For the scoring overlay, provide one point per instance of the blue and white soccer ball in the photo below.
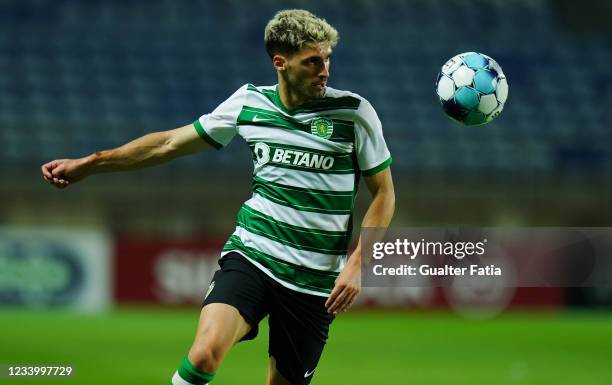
(472, 88)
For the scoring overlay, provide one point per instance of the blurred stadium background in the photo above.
(107, 274)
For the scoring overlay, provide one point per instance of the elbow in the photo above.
(386, 197)
(385, 207)
(388, 193)
(168, 148)
(391, 201)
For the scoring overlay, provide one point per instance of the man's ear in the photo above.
(279, 62)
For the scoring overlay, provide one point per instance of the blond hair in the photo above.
(291, 30)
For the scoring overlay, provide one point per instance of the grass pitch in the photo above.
(144, 346)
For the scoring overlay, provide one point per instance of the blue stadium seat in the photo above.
(114, 70)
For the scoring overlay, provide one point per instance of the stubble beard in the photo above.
(305, 89)
(311, 93)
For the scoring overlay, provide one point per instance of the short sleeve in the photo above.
(219, 127)
(370, 147)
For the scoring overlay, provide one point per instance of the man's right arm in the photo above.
(146, 151)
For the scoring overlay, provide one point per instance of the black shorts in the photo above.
(299, 323)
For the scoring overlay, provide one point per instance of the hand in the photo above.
(61, 172)
(348, 286)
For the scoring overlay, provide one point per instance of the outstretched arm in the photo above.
(379, 214)
(146, 151)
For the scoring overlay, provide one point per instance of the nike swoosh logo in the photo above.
(308, 374)
(256, 119)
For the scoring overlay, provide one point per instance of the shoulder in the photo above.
(249, 87)
(347, 96)
(249, 90)
(351, 99)
(363, 113)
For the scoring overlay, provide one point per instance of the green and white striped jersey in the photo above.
(297, 225)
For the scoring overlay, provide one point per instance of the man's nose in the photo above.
(324, 73)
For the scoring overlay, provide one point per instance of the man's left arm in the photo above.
(379, 214)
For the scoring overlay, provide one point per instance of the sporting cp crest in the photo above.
(321, 127)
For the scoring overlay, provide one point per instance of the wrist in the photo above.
(92, 162)
(354, 258)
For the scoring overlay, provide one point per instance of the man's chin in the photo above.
(313, 93)
(318, 92)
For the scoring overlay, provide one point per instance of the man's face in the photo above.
(306, 72)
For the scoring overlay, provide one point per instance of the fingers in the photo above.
(60, 183)
(334, 301)
(341, 299)
(59, 169)
(332, 296)
(47, 168)
(350, 299)
(57, 182)
(53, 173)
(45, 172)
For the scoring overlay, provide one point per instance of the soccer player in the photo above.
(287, 257)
